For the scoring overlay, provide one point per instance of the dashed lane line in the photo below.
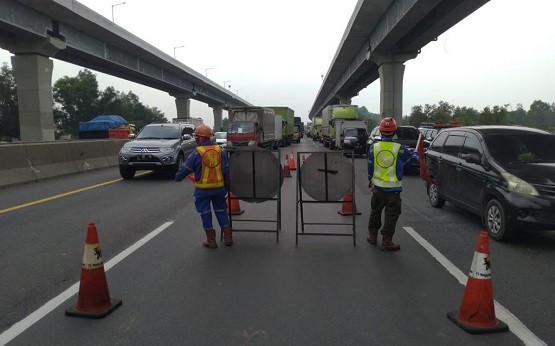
(65, 194)
(515, 325)
(44, 310)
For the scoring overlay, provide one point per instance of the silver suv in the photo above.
(158, 147)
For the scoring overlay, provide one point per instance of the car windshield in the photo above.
(358, 133)
(220, 135)
(521, 147)
(159, 132)
(406, 133)
(241, 127)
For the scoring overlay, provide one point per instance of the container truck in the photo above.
(251, 126)
(334, 119)
(299, 128)
(288, 116)
(317, 129)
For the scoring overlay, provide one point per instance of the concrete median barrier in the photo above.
(15, 168)
(26, 162)
(111, 150)
(50, 159)
(88, 155)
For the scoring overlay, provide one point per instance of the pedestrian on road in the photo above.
(386, 160)
(209, 165)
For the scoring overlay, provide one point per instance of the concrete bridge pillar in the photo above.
(32, 69)
(218, 110)
(183, 105)
(345, 101)
(391, 69)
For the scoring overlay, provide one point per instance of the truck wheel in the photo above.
(126, 172)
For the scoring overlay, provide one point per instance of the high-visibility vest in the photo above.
(211, 176)
(385, 165)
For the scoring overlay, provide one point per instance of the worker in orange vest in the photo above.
(209, 164)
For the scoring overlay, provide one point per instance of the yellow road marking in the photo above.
(64, 194)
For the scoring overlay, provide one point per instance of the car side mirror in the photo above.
(473, 158)
(342, 135)
(186, 137)
(131, 136)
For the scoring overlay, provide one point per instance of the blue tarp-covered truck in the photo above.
(105, 126)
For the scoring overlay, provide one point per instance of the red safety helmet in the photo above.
(203, 131)
(388, 126)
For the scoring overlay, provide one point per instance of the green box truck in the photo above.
(288, 118)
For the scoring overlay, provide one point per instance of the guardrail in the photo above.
(27, 162)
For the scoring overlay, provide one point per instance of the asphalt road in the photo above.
(322, 291)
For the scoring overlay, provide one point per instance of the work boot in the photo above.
(387, 243)
(372, 236)
(228, 237)
(210, 239)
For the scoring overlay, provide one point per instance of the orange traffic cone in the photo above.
(235, 207)
(292, 162)
(286, 170)
(348, 205)
(477, 313)
(94, 299)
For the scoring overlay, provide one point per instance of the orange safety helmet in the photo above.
(388, 126)
(203, 131)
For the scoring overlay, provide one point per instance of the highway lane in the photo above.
(328, 277)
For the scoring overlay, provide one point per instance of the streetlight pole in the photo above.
(121, 3)
(206, 71)
(174, 48)
(226, 81)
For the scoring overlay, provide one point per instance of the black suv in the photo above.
(505, 174)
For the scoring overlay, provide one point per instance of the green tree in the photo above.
(417, 116)
(541, 114)
(75, 101)
(9, 114)
(442, 113)
(494, 116)
(465, 116)
(225, 124)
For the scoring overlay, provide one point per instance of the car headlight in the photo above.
(347, 141)
(166, 150)
(125, 149)
(252, 143)
(515, 184)
(230, 143)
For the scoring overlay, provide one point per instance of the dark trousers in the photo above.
(391, 202)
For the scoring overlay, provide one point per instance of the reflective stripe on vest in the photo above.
(211, 176)
(385, 164)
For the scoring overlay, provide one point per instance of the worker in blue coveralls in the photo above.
(209, 164)
(386, 161)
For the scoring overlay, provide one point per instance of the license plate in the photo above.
(144, 157)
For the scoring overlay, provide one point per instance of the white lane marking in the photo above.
(515, 325)
(44, 310)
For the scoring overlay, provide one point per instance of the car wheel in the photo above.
(495, 220)
(126, 172)
(433, 196)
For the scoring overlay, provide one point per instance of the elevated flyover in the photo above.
(380, 37)
(35, 30)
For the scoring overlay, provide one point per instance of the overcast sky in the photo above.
(273, 53)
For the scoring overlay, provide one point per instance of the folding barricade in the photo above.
(255, 176)
(328, 164)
